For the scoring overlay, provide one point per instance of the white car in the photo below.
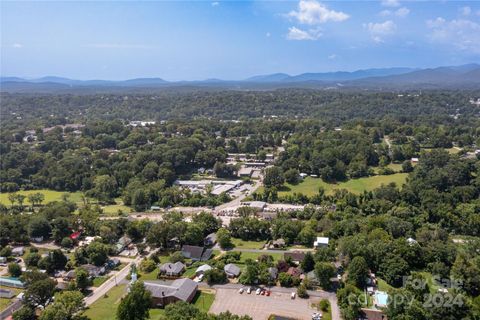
(294, 294)
(317, 316)
(249, 290)
(258, 291)
(240, 291)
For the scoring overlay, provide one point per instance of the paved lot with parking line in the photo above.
(261, 307)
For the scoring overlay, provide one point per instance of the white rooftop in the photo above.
(321, 241)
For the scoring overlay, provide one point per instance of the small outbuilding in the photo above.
(321, 242)
(202, 269)
(18, 251)
(232, 270)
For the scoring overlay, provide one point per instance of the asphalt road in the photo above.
(113, 281)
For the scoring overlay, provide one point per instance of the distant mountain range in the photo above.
(464, 76)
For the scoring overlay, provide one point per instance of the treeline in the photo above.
(332, 106)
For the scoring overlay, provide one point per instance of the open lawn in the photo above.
(76, 197)
(311, 185)
(50, 196)
(432, 285)
(326, 315)
(114, 208)
(149, 276)
(98, 281)
(190, 271)
(255, 255)
(241, 244)
(106, 307)
(203, 301)
(383, 285)
(397, 167)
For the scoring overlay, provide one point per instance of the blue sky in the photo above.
(179, 40)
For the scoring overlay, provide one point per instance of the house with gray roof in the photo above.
(273, 272)
(196, 253)
(211, 239)
(179, 290)
(232, 270)
(172, 269)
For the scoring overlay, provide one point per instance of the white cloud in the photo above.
(402, 12)
(462, 34)
(385, 13)
(295, 33)
(390, 3)
(312, 12)
(332, 56)
(17, 45)
(215, 3)
(380, 29)
(466, 11)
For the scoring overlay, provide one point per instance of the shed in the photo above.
(232, 270)
(202, 269)
(321, 242)
(18, 251)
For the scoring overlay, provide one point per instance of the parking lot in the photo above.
(261, 307)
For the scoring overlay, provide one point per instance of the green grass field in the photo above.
(383, 285)
(98, 281)
(397, 167)
(50, 196)
(105, 308)
(255, 255)
(241, 244)
(326, 315)
(114, 208)
(431, 284)
(203, 301)
(311, 185)
(149, 276)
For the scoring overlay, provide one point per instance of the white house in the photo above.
(321, 242)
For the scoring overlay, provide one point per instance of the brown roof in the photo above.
(295, 255)
(295, 272)
(372, 314)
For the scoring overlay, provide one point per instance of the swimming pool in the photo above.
(381, 299)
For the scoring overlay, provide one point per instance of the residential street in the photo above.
(114, 280)
(109, 284)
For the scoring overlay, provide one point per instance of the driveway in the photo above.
(261, 307)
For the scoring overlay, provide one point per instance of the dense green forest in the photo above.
(427, 227)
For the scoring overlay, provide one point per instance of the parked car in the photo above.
(262, 293)
(317, 316)
(294, 294)
(249, 290)
(240, 291)
(268, 293)
(258, 291)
